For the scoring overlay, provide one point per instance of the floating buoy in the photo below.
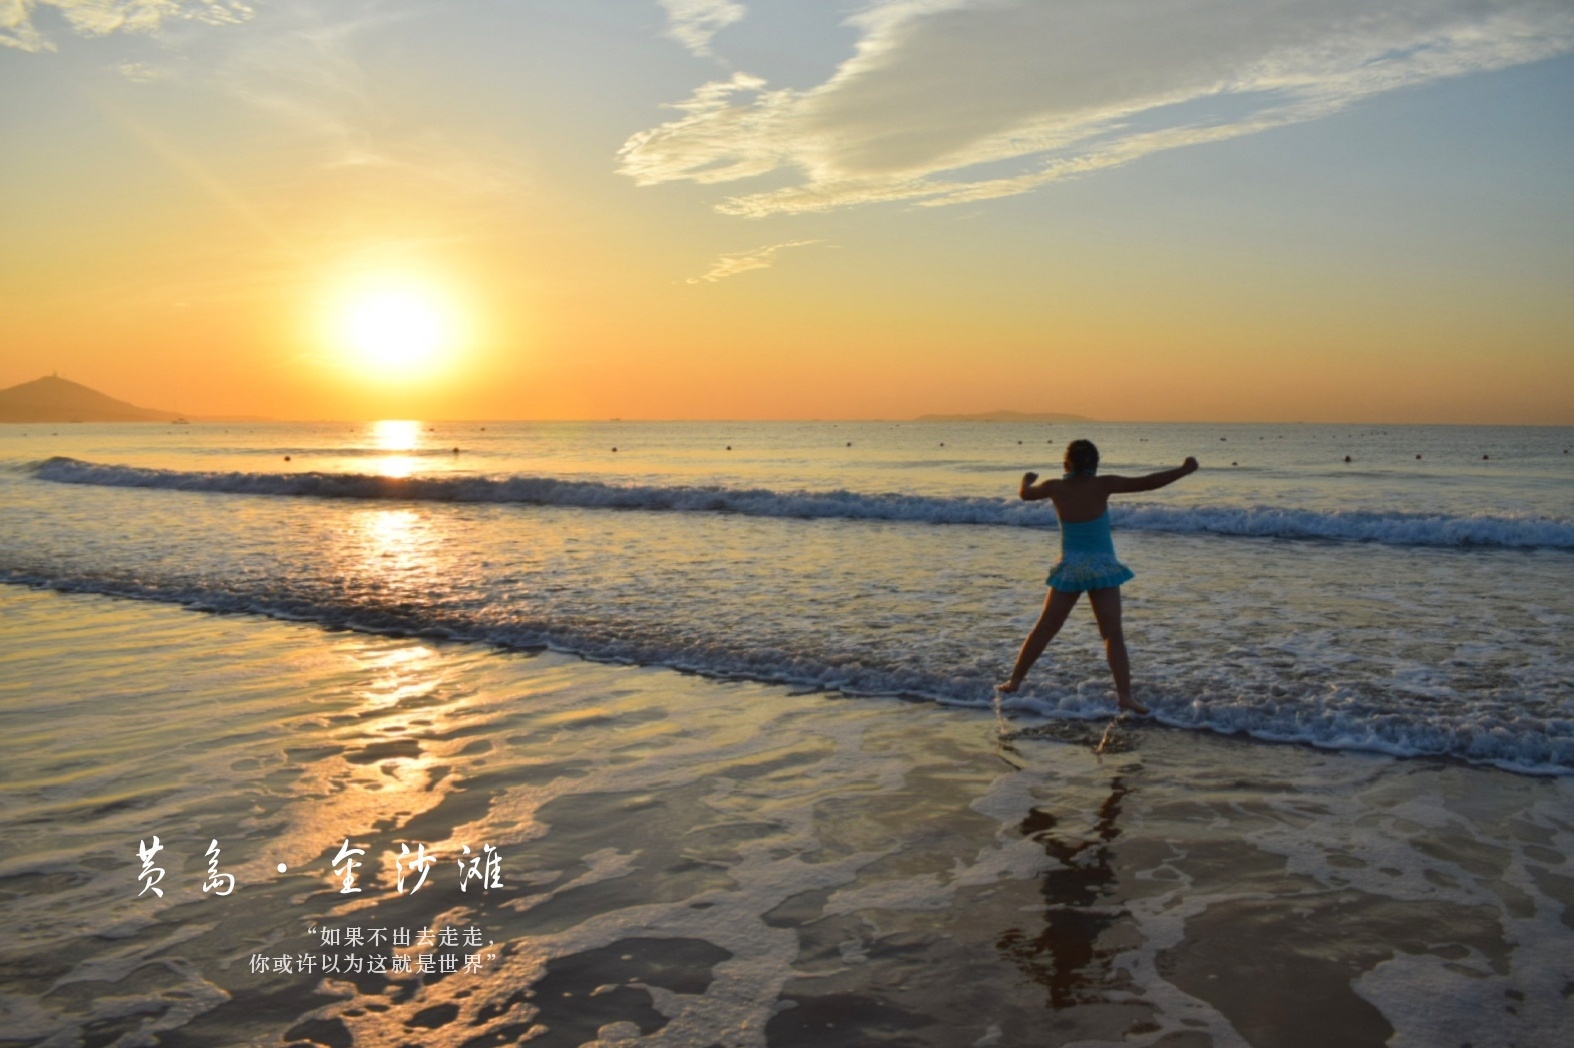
(1235, 463)
(729, 447)
(1347, 458)
(286, 458)
(456, 451)
(1418, 458)
(849, 443)
(614, 449)
(1485, 457)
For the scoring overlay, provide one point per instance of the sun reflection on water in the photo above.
(395, 436)
(378, 761)
(396, 553)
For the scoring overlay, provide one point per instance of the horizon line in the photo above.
(195, 419)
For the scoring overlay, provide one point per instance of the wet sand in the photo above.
(684, 861)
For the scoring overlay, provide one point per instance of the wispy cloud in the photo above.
(103, 17)
(735, 262)
(307, 73)
(694, 23)
(142, 73)
(946, 101)
(303, 71)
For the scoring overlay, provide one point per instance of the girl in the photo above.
(1087, 559)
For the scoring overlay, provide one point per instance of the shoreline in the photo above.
(1032, 722)
(692, 861)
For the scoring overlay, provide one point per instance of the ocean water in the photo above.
(718, 703)
(1413, 600)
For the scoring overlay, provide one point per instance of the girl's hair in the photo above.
(1082, 457)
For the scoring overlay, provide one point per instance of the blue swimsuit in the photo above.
(1087, 558)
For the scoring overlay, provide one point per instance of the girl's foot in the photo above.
(1127, 703)
(1009, 686)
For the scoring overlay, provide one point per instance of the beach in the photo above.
(670, 772)
(688, 862)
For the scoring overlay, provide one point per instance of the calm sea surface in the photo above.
(1414, 599)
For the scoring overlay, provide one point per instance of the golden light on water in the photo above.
(390, 534)
(396, 434)
(396, 552)
(397, 437)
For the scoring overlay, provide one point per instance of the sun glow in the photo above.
(393, 329)
(390, 329)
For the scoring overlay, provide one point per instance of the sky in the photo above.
(1166, 210)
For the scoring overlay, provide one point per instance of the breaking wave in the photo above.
(1388, 528)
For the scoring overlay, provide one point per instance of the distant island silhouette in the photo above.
(55, 399)
(1007, 416)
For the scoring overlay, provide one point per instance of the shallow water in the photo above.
(685, 861)
(1392, 604)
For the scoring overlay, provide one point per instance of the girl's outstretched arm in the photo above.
(1031, 492)
(1122, 485)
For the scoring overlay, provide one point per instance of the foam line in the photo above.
(1315, 717)
(1388, 528)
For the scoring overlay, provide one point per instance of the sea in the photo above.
(690, 730)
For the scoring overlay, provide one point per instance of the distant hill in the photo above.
(54, 399)
(1007, 416)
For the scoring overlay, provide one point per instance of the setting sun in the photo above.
(393, 330)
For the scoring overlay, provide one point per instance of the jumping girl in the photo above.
(1087, 559)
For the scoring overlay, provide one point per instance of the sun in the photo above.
(393, 330)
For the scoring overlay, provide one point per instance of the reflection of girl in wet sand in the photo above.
(1087, 559)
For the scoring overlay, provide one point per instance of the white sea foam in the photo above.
(1518, 531)
(1354, 716)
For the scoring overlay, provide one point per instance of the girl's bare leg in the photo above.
(1106, 609)
(1056, 607)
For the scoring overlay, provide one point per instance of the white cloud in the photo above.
(142, 73)
(941, 95)
(103, 17)
(735, 262)
(694, 23)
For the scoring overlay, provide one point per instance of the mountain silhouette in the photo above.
(54, 399)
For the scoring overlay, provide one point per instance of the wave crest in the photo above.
(1388, 528)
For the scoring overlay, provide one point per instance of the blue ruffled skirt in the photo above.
(1087, 558)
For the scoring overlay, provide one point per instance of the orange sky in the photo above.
(606, 210)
